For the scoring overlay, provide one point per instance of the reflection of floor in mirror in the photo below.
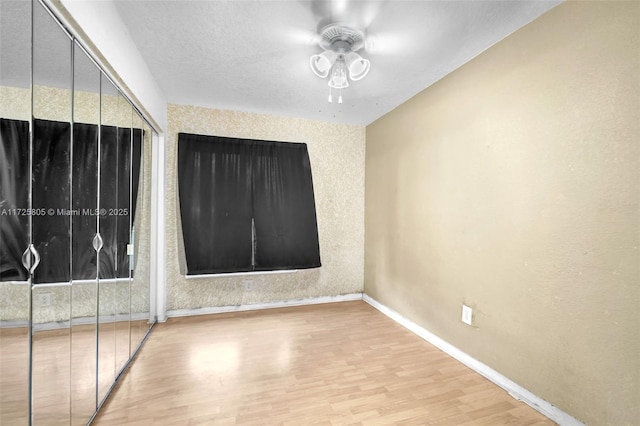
(337, 363)
(14, 375)
(64, 370)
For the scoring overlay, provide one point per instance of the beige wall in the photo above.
(512, 186)
(336, 152)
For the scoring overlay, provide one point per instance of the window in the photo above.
(246, 205)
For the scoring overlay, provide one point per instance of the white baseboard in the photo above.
(268, 305)
(56, 325)
(514, 389)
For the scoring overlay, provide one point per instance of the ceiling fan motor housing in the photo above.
(341, 38)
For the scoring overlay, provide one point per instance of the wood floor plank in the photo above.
(332, 364)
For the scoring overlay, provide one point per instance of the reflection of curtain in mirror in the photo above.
(136, 164)
(52, 190)
(85, 199)
(115, 191)
(14, 191)
(50, 196)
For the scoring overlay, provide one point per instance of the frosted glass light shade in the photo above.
(321, 64)
(357, 65)
(338, 79)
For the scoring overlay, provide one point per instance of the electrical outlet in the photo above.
(44, 299)
(248, 285)
(467, 314)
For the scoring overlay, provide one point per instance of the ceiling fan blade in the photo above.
(356, 14)
(299, 36)
(369, 11)
(353, 14)
(388, 43)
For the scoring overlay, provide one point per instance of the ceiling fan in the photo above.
(339, 60)
(343, 37)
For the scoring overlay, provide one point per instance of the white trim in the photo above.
(45, 285)
(267, 305)
(70, 283)
(158, 237)
(239, 274)
(14, 282)
(14, 323)
(56, 325)
(514, 389)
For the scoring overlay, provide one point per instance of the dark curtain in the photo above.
(246, 205)
(128, 178)
(138, 141)
(14, 192)
(108, 201)
(116, 192)
(85, 200)
(136, 164)
(286, 231)
(51, 193)
(53, 186)
(215, 204)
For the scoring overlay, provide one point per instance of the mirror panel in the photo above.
(140, 233)
(51, 220)
(15, 291)
(108, 231)
(84, 290)
(123, 225)
(15, 60)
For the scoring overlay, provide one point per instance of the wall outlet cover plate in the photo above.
(467, 314)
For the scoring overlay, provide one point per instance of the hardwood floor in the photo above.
(339, 363)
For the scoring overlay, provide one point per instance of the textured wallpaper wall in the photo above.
(337, 161)
(15, 103)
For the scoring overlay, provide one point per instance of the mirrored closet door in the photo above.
(49, 256)
(15, 236)
(75, 193)
(84, 228)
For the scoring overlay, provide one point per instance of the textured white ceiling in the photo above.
(254, 55)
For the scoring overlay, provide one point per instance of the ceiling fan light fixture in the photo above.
(358, 66)
(338, 79)
(322, 63)
(339, 60)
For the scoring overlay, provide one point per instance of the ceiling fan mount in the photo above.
(341, 38)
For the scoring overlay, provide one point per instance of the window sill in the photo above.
(241, 274)
(69, 283)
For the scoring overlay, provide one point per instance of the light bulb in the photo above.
(338, 78)
(340, 99)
